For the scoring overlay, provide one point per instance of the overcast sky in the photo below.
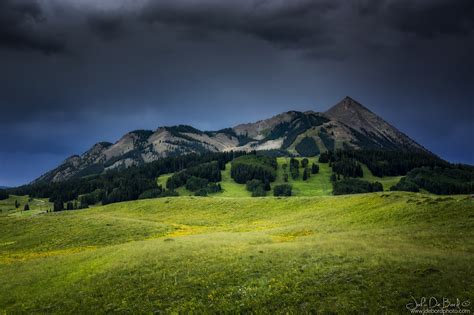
(76, 72)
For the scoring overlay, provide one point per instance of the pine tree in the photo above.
(58, 205)
(266, 185)
(305, 174)
(304, 163)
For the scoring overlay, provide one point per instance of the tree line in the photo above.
(395, 163)
(423, 171)
(457, 179)
(119, 185)
(211, 171)
(3, 194)
(201, 179)
(248, 167)
(355, 186)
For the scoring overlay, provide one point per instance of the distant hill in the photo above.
(346, 125)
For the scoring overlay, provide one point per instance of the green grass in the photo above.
(181, 190)
(37, 205)
(317, 185)
(365, 253)
(229, 187)
(386, 181)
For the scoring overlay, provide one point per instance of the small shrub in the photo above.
(258, 188)
(253, 184)
(169, 193)
(259, 192)
(405, 184)
(213, 188)
(282, 190)
(151, 193)
(201, 192)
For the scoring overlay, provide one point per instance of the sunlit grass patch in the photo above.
(291, 235)
(364, 253)
(29, 255)
(386, 181)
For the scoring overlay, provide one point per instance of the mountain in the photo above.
(369, 125)
(346, 125)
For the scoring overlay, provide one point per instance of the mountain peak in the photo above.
(352, 113)
(347, 105)
(358, 117)
(348, 98)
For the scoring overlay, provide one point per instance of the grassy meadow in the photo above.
(317, 185)
(368, 253)
(37, 205)
(387, 181)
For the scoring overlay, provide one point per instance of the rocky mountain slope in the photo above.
(347, 125)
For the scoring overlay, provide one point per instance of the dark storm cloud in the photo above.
(428, 19)
(107, 26)
(315, 24)
(21, 23)
(111, 66)
(286, 24)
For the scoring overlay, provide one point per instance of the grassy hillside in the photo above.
(229, 187)
(181, 190)
(387, 181)
(37, 205)
(316, 185)
(364, 253)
